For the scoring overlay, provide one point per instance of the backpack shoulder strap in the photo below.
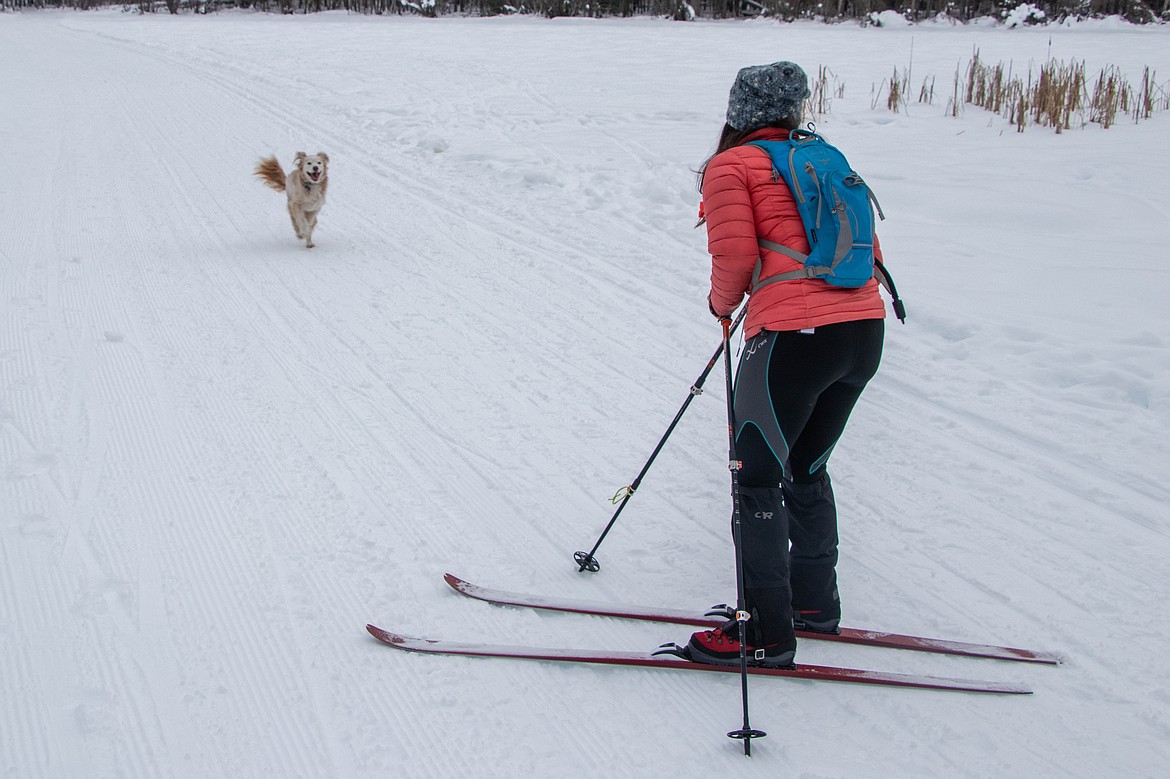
(774, 149)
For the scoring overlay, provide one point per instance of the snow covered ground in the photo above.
(222, 454)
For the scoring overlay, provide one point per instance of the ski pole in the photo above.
(586, 560)
(745, 733)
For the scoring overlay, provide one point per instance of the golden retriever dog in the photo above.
(305, 186)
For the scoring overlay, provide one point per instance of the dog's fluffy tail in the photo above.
(269, 171)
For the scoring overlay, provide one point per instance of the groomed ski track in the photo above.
(221, 454)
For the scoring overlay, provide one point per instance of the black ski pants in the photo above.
(793, 396)
(794, 393)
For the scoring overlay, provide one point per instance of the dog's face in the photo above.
(312, 166)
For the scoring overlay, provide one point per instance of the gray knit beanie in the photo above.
(766, 94)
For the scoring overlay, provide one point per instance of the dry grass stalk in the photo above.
(1111, 96)
(1059, 95)
(988, 86)
(823, 94)
(899, 87)
(1151, 97)
(954, 103)
(819, 100)
(926, 94)
(1145, 97)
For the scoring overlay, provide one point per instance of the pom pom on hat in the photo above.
(766, 94)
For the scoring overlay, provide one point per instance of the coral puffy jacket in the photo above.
(742, 204)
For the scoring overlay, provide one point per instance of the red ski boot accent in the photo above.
(816, 621)
(720, 647)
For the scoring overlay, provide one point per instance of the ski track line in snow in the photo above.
(122, 692)
(175, 512)
(1009, 603)
(36, 471)
(1100, 485)
(1067, 566)
(197, 516)
(294, 331)
(336, 472)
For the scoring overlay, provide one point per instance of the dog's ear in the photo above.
(324, 157)
(299, 159)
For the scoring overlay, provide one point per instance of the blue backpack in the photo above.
(837, 208)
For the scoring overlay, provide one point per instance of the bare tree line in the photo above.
(1140, 11)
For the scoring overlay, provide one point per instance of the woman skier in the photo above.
(810, 349)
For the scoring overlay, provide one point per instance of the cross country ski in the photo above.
(642, 660)
(875, 638)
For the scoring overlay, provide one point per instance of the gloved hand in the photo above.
(715, 313)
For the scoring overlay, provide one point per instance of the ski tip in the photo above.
(1052, 658)
(384, 636)
(1007, 688)
(455, 582)
(1028, 656)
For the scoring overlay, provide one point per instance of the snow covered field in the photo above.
(222, 454)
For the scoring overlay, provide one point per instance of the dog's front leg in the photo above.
(310, 225)
(294, 214)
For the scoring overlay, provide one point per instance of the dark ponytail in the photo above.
(731, 137)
